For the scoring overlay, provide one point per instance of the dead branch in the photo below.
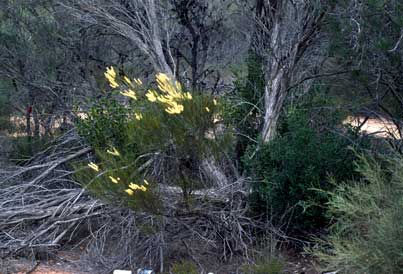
(43, 207)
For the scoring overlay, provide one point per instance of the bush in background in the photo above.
(104, 123)
(184, 267)
(367, 236)
(293, 170)
(243, 110)
(265, 266)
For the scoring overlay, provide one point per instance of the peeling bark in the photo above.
(274, 96)
(290, 29)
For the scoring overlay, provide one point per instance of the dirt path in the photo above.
(64, 262)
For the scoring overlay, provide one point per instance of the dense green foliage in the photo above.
(103, 124)
(265, 266)
(296, 164)
(244, 108)
(368, 46)
(366, 238)
(184, 267)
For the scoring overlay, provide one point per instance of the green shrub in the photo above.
(265, 266)
(184, 267)
(295, 165)
(104, 122)
(243, 107)
(367, 237)
(158, 136)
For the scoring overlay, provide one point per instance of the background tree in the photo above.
(36, 61)
(368, 42)
(288, 31)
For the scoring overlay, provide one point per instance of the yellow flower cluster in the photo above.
(116, 180)
(113, 152)
(138, 116)
(172, 94)
(127, 80)
(133, 187)
(93, 166)
(171, 91)
(110, 74)
(129, 93)
(152, 95)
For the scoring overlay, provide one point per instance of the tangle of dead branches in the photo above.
(44, 208)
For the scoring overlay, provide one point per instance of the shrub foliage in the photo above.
(367, 237)
(160, 135)
(293, 170)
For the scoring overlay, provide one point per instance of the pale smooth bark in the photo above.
(290, 28)
(143, 22)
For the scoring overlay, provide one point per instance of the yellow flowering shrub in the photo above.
(165, 135)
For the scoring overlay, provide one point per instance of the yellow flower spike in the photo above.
(146, 182)
(127, 80)
(188, 96)
(138, 116)
(134, 186)
(170, 111)
(110, 72)
(207, 109)
(129, 191)
(172, 94)
(114, 180)
(151, 96)
(168, 86)
(93, 166)
(113, 152)
(214, 101)
(110, 75)
(178, 85)
(174, 109)
(129, 93)
(138, 81)
(162, 77)
(143, 188)
(113, 84)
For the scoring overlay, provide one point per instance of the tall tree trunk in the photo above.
(276, 89)
(289, 29)
(274, 95)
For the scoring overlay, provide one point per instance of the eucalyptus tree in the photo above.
(186, 39)
(202, 37)
(286, 34)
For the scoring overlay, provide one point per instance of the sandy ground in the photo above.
(43, 268)
(63, 263)
(382, 128)
(296, 265)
